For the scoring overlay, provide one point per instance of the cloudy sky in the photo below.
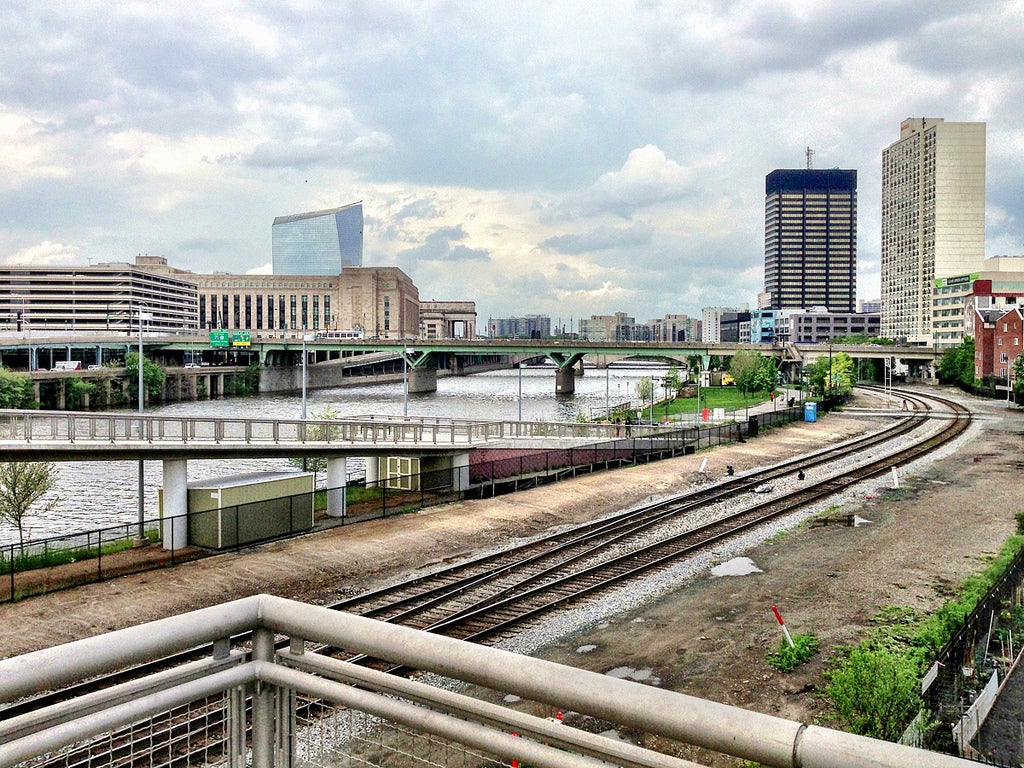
(560, 157)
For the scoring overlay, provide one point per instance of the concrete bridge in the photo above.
(421, 357)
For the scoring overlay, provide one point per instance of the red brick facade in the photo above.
(1007, 337)
(983, 329)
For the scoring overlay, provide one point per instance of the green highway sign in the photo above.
(240, 339)
(219, 339)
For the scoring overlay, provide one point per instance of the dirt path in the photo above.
(707, 639)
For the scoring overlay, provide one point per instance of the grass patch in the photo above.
(787, 657)
(31, 561)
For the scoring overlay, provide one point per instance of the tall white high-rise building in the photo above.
(933, 218)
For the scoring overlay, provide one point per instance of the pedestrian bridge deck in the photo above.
(60, 436)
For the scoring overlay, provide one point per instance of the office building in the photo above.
(674, 328)
(810, 239)
(318, 243)
(617, 327)
(933, 219)
(734, 325)
(379, 302)
(99, 297)
(528, 327)
(818, 325)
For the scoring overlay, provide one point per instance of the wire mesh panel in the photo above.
(193, 734)
(326, 736)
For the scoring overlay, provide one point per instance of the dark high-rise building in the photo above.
(810, 239)
(318, 243)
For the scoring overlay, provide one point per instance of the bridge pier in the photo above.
(565, 380)
(422, 380)
(175, 504)
(337, 477)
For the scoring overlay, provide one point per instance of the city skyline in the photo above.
(504, 155)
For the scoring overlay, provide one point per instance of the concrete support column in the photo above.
(62, 391)
(565, 381)
(85, 401)
(422, 380)
(337, 479)
(460, 472)
(372, 471)
(174, 522)
(36, 394)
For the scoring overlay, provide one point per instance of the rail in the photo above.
(17, 426)
(271, 733)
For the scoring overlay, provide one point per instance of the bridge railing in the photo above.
(37, 426)
(288, 704)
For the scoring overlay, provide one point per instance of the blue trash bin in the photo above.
(810, 411)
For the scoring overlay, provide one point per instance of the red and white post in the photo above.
(778, 618)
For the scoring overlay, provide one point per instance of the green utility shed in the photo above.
(238, 510)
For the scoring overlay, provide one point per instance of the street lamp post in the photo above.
(520, 366)
(303, 373)
(141, 538)
(405, 381)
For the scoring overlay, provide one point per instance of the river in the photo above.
(92, 494)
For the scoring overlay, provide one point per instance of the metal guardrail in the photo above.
(36, 426)
(271, 732)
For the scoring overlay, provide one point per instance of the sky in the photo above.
(562, 158)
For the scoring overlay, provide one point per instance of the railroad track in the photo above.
(488, 598)
(491, 598)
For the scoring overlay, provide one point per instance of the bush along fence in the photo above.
(46, 565)
(962, 685)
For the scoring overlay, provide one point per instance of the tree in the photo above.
(671, 382)
(835, 381)
(22, 485)
(318, 428)
(644, 390)
(152, 377)
(744, 368)
(16, 390)
(767, 377)
(1018, 374)
(956, 366)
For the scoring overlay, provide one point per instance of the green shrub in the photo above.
(788, 658)
(875, 692)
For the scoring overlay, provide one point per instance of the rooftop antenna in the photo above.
(810, 158)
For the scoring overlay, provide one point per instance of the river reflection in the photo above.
(92, 494)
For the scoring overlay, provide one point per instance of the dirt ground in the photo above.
(707, 639)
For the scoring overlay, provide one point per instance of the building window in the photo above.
(305, 311)
(294, 313)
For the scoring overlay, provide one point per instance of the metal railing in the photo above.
(113, 428)
(294, 706)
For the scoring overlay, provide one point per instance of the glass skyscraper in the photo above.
(318, 243)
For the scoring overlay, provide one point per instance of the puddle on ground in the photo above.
(738, 566)
(586, 648)
(638, 675)
(859, 521)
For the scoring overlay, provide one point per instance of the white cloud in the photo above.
(45, 254)
(566, 158)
